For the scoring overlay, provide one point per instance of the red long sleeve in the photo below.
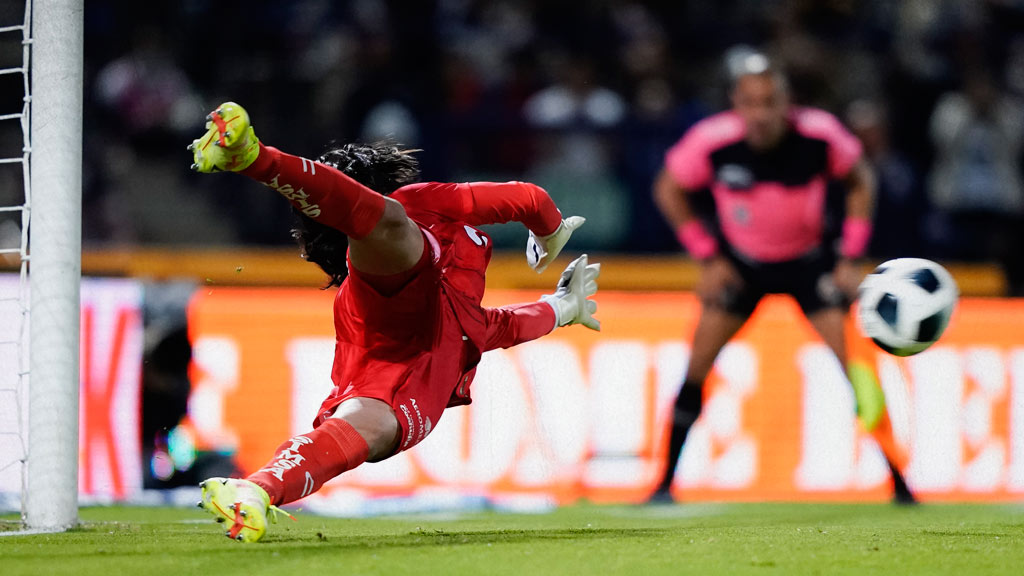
(479, 203)
(511, 325)
(323, 193)
(491, 202)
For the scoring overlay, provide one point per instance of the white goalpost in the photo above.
(55, 267)
(47, 363)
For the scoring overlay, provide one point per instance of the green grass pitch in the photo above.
(586, 539)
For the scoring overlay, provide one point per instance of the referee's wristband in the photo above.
(856, 235)
(697, 240)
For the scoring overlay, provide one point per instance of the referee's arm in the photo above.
(860, 208)
(672, 201)
(860, 195)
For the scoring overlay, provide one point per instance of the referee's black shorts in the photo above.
(808, 279)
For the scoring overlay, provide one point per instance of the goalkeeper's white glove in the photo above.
(570, 300)
(542, 250)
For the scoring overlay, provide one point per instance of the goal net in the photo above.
(40, 254)
(14, 216)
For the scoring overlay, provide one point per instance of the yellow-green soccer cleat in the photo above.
(229, 144)
(241, 505)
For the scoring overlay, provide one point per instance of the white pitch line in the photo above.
(33, 532)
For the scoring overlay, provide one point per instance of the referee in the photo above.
(768, 166)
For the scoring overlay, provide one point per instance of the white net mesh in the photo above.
(15, 196)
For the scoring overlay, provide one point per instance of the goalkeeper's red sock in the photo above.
(303, 464)
(323, 193)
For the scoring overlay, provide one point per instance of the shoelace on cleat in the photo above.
(274, 511)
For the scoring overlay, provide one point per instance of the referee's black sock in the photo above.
(687, 409)
(901, 492)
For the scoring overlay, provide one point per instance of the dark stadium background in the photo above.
(474, 84)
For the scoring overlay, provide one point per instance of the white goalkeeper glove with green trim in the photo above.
(571, 298)
(542, 250)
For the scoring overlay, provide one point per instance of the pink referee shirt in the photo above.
(770, 204)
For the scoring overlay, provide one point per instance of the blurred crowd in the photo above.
(582, 98)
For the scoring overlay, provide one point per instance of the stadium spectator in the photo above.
(574, 120)
(575, 100)
(900, 198)
(976, 180)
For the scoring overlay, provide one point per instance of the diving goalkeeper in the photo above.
(409, 264)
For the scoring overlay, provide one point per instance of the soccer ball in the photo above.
(905, 305)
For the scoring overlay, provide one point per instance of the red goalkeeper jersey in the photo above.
(417, 348)
(405, 324)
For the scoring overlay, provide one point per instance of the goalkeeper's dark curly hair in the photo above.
(383, 167)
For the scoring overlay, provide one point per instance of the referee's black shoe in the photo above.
(661, 497)
(901, 495)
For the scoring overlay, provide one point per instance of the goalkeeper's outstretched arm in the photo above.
(479, 203)
(570, 304)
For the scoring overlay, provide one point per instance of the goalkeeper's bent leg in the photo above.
(318, 191)
(382, 238)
